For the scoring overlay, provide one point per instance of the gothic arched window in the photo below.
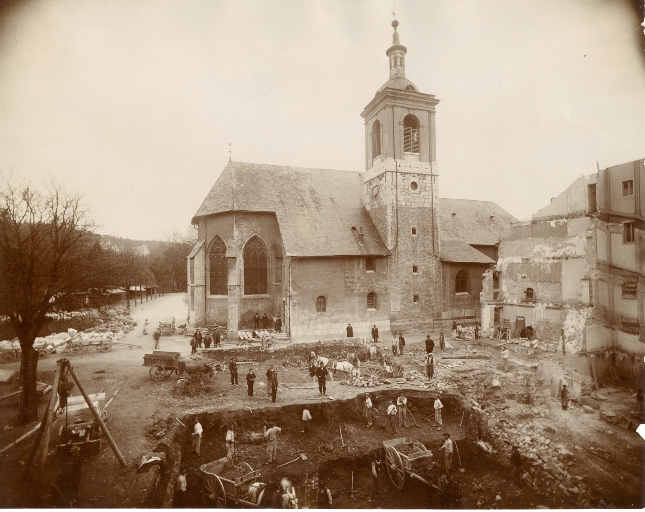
(411, 134)
(461, 282)
(376, 139)
(255, 267)
(218, 267)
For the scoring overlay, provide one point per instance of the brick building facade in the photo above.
(322, 248)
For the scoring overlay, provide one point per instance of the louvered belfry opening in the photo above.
(411, 134)
(255, 267)
(219, 268)
(376, 139)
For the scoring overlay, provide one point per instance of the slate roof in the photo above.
(398, 82)
(315, 208)
(457, 251)
(472, 222)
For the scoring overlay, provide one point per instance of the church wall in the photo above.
(469, 300)
(345, 283)
(236, 310)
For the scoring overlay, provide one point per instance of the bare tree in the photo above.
(48, 256)
(170, 265)
(130, 269)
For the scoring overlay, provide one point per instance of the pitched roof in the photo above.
(454, 250)
(473, 222)
(316, 208)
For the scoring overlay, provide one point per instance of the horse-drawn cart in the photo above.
(403, 458)
(162, 364)
(218, 490)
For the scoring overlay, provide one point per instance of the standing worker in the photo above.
(217, 339)
(193, 344)
(402, 406)
(197, 437)
(256, 321)
(323, 496)
(447, 445)
(367, 412)
(429, 344)
(232, 367)
(230, 444)
(564, 397)
(375, 333)
(454, 329)
(155, 336)
(250, 380)
(437, 411)
(429, 363)
(274, 385)
(442, 341)
(391, 416)
(208, 340)
(198, 335)
(278, 324)
(271, 438)
(322, 373)
(395, 343)
(477, 331)
(180, 489)
(306, 418)
(350, 331)
(505, 355)
(145, 326)
(401, 343)
(269, 375)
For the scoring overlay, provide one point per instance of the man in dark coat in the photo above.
(429, 344)
(265, 321)
(193, 344)
(198, 336)
(375, 334)
(322, 373)
(250, 380)
(218, 338)
(256, 321)
(350, 331)
(278, 324)
(207, 341)
(274, 385)
(232, 366)
(564, 397)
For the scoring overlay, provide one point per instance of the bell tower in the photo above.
(400, 188)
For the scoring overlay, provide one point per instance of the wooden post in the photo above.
(49, 418)
(97, 417)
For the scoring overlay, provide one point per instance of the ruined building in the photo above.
(322, 248)
(578, 267)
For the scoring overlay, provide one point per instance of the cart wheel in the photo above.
(395, 468)
(260, 496)
(371, 373)
(104, 415)
(157, 373)
(77, 348)
(168, 373)
(213, 492)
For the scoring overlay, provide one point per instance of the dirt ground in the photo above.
(605, 464)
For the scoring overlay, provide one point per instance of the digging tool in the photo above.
(459, 456)
(341, 436)
(180, 422)
(302, 457)
(414, 419)
(462, 417)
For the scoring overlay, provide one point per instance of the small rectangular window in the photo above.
(628, 188)
(370, 265)
(415, 269)
(414, 231)
(628, 232)
(415, 299)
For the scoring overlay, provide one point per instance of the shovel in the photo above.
(460, 468)
(302, 457)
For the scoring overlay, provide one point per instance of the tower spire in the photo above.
(396, 53)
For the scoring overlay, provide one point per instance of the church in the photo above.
(324, 248)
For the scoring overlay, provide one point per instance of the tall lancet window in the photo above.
(376, 139)
(255, 267)
(218, 268)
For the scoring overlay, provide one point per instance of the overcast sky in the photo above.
(134, 102)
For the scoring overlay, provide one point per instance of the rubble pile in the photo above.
(544, 346)
(546, 471)
(363, 382)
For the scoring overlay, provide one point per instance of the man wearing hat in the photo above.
(391, 416)
(350, 331)
(250, 380)
(564, 397)
(232, 366)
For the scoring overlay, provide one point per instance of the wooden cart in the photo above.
(80, 428)
(403, 458)
(162, 364)
(167, 326)
(220, 492)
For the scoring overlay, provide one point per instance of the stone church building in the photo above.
(323, 248)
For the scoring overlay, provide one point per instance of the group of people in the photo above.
(271, 375)
(198, 340)
(265, 322)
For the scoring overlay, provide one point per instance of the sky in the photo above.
(134, 102)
